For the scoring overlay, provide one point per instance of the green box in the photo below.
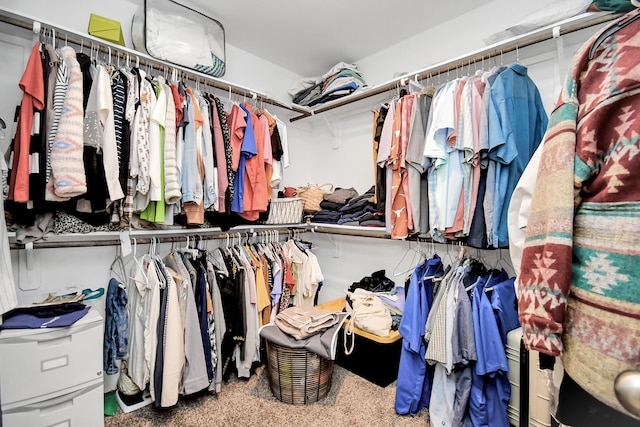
(106, 29)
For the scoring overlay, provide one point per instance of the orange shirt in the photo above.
(32, 86)
(255, 182)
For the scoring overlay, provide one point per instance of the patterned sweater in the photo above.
(579, 295)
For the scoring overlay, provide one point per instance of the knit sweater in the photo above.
(67, 166)
(578, 289)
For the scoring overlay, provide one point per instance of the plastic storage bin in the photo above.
(175, 33)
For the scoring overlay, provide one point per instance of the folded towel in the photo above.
(302, 321)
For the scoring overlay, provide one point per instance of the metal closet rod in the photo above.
(290, 231)
(498, 49)
(70, 36)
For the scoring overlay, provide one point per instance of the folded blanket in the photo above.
(303, 321)
(323, 344)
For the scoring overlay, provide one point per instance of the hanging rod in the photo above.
(110, 238)
(566, 26)
(67, 35)
(350, 230)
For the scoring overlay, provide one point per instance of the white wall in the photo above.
(448, 40)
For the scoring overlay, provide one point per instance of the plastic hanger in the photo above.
(417, 256)
(415, 86)
(118, 262)
(188, 250)
(502, 264)
(137, 260)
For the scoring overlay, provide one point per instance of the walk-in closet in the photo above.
(348, 213)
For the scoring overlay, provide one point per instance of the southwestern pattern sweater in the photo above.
(68, 174)
(579, 289)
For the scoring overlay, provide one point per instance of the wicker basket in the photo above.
(296, 375)
(285, 211)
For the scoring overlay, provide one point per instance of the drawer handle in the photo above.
(54, 402)
(65, 423)
(55, 341)
(56, 363)
(45, 412)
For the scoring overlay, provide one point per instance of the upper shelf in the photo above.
(548, 32)
(68, 35)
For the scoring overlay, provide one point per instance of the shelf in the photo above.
(349, 230)
(180, 234)
(548, 32)
(71, 36)
(177, 234)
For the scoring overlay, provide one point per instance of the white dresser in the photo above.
(53, 377)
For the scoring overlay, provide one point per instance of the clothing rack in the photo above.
(553, 31)
(66, 35)
(157, 236)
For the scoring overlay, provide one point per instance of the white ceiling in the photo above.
(309, 37)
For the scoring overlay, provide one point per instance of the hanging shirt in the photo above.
(237, 120)
(465, 144)
(437, 139)
(140, 139)
(191, 180)
(194, 375)
(210, 174)
(517, 123)
(174, 355)
(255, 197)
(490, 389)
(220, 144)
(268, 153)
(171, 182)
(384, 151)
(477, 88)
(248, 150)
(282, 129)
(155, 210)
(67, 166)
(399, 208)
(413, 389)
(32, 86)
(59, 91)
(144, 306)
(416, 179)
(100, 131)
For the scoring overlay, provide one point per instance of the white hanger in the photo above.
(417, 255)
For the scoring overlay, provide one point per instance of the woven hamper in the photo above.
(285, 211)
(296, 375)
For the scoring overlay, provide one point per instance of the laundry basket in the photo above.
(296, 375)
(285, 211)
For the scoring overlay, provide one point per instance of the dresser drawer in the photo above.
(83, 407)
(39, 362)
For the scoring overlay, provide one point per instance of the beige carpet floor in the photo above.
(352, 401)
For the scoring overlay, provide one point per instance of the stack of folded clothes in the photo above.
(332, 203)
(341, 80)
(363, 211)
(346, 207)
